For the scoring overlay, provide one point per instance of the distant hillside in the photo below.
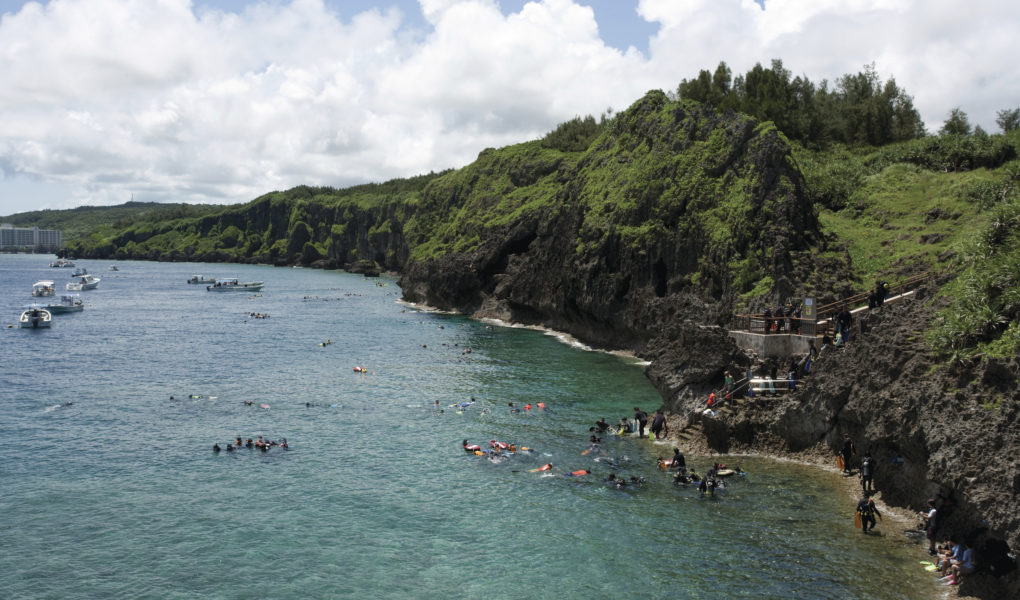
(78, 223)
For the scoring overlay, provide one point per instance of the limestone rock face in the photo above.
(669, 214)
(934, 429)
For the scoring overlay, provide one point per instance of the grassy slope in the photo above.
(899, 218)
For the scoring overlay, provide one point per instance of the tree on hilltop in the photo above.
(1008, 119)
(956, 124)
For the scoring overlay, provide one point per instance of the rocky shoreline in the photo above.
(885, 391)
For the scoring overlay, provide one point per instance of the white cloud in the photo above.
(111, 97)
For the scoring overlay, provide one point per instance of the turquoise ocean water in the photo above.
(119, 495)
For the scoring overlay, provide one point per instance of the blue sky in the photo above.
(219, 101)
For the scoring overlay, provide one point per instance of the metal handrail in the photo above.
(757, 322)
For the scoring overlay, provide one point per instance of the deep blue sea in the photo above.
(119, 494)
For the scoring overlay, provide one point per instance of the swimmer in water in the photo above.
(614, 481)
(215, 447)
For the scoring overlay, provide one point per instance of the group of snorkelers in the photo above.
(711, 481)
(495, 449)
(259, 444)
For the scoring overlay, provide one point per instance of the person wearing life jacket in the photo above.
(470, 448)
(541, 405)
(498, 445)
(867, 510)
(578, 473)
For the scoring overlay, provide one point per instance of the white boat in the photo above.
(35, 318)
(231, 284)
(200, 279)
(88, 282)
(80, 272)
(68, 303)
(61, 262)
(42, 289)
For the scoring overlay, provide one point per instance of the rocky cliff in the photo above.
(671, 214)
(936, 429)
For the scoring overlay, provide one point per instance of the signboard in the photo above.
(808, 324)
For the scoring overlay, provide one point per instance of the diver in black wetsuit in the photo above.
(642, 419)
(679, 462)
(658, 424)
(867, 510)
(848, 452)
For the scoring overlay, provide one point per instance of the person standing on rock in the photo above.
(929, 525)
(848, 452)
(845, 320)
(642, 419)
(867, 472)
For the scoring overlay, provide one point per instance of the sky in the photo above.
(220, 101)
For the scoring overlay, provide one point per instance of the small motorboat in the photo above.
(41, 289)
(35, 318)
(201, 279)
(114, 268)
(88, 282)
(68, 303)
(233, 285)
(61, 263)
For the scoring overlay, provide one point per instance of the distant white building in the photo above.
(28, 238)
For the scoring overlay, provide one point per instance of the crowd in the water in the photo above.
(258, 315)
(499, 451)
(250, 444)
